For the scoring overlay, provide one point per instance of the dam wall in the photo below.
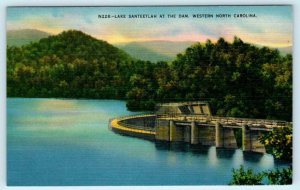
(134, 126)
(250, 143)
(193, 123)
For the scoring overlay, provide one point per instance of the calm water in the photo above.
(67, 142)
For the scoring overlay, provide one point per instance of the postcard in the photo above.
(149, 95)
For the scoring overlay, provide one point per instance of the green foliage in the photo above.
(279, 142)
(70, 65)
(242, 176)
(246, 177)
(238, 79)
(280, 177)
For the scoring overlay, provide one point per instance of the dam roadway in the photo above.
(197, 129)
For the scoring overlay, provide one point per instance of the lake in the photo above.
(68, 142)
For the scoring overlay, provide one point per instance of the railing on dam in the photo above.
(226, 120)
(147, 122)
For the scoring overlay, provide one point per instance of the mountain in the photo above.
(73, 44)
(286, 50)
(24, 37)
(73, 64)
(70, 64)
(137, 51)
(155, 50)
(283, 50)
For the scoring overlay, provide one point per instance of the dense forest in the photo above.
(238, 79)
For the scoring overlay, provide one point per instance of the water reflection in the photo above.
(181, 147)
(56, 104)
(252, 156)
(171, 158)
(81, 150)
(225, 153)
(237, 156)
(195, 149)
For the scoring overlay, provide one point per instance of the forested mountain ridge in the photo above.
(71, 64)
(238, 79)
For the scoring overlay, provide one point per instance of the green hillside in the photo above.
(238, 79)
(24, 37)
(71, 64)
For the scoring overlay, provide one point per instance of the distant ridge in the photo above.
(283, 50)
(286, 50)
(24, 36)
(155, 50)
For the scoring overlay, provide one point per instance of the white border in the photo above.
(296, 80)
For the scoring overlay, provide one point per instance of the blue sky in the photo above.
(272, 26)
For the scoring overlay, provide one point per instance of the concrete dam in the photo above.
(193, 123)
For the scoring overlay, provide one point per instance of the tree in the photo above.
(279, 142)
(246, 177)
(242, 176)
(280, 177)
(237, 79)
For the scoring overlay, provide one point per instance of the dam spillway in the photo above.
(193, 123)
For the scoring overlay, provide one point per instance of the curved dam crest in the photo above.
(133, 126)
